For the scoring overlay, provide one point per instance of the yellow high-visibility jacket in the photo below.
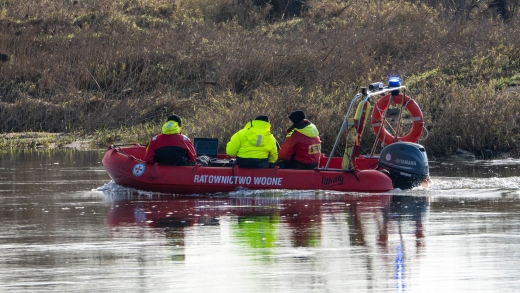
(254, 141)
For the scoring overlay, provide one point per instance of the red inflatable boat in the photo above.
(402, 162)
(125, 167)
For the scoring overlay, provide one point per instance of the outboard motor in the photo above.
(406, 164)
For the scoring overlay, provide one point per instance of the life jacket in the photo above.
(302, 145)
(253, 141)
(171, 147)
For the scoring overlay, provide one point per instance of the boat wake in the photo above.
(508, 187)
(114, 191)
(449, 183)
(438, 186)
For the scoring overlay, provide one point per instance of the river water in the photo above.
(67, 228)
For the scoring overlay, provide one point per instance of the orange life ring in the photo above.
(412, 107)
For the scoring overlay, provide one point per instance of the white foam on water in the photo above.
(114, 191)
(449, 183)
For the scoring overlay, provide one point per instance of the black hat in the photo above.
(175, 118)
(263, 118)
(297, 116)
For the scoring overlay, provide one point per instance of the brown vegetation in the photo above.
(119, 67)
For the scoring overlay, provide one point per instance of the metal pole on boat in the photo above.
(359, 127)
(345, 120)
(383, 119)
(397, 128)
(343, 126)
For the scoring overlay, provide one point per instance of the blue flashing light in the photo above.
(394, 82)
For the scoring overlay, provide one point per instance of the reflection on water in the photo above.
(257, 221)
(333, 236)
(66, 228)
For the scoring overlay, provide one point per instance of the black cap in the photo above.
(263, 118)
(297, 116)
(176, 119)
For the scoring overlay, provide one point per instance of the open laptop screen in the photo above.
(206, 147)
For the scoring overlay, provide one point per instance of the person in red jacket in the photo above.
(302, 148)
(171, 147)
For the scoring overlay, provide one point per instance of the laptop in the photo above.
(209, 147)
(206, 147)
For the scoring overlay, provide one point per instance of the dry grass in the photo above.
(118, 68)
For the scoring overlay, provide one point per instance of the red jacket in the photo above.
(170, 144)
(302, 144)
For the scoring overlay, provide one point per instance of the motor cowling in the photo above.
(406, 163)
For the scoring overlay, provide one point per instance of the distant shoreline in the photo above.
(47, 140)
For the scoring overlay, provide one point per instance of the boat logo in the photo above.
(138, 170)
(406, 162)
(388, 157)
(338, 180)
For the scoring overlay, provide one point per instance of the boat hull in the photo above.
(125, 168)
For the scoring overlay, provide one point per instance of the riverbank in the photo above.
(46, 140)
(81, 140)
(112, 68)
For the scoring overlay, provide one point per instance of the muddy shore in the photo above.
(47, 140)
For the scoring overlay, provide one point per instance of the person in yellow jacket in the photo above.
(355, 127)
(254, 146)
